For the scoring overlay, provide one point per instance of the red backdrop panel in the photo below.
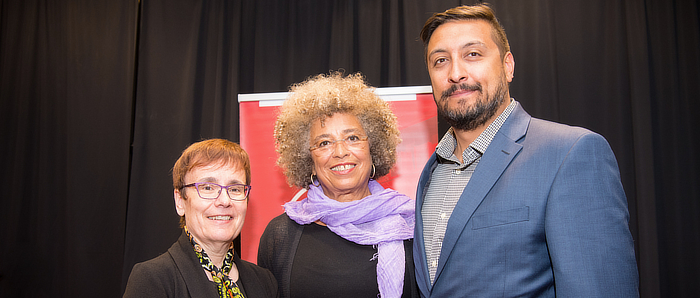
(417, 123)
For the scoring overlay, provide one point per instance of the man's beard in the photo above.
(475, 116)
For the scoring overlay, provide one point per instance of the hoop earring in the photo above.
(374, 171)
(312, 180)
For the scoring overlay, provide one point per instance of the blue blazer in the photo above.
(543, 215)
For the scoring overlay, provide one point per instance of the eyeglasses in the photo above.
(325, 146)
(211, 191)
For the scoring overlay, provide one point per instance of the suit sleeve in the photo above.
(586, 225)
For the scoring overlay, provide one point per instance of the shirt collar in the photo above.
(448, 143)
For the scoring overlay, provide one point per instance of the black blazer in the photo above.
(178, 273)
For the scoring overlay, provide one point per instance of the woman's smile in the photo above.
(342, 161)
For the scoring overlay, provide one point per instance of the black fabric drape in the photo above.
(66, 77)
(186, 91)
(674, 63)
(379, 38)
(95, 109)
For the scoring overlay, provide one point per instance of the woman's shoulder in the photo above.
(247, 268)
(257, 281)
(159, 264)
(281, 224)
(282, 219)
(152, 277)
(278, 240)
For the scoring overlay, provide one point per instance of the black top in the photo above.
(327, 265)
(279, 245)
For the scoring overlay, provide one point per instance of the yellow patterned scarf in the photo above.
(227, 288)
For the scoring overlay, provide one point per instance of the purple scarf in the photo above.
(385, 218)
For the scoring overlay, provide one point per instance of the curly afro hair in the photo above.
(323, 96)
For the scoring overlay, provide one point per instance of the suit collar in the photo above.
(516, 125)
(191, 270)
(421, 265)
(500, 153)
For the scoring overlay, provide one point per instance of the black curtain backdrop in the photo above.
(66, 93)
(98, 99)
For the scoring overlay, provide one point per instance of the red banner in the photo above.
(417, 117)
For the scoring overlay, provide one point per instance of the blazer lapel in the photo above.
(421, 265)
(493, 163)
(191, 270)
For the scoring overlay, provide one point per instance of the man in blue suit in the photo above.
(510, 205)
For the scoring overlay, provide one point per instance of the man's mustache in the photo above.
(460, 87)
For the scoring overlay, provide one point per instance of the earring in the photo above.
(312, 180)
(374, 171)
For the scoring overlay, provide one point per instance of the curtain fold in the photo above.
(98, 99)
(674, 72)
(66, 77)
(186, 91)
